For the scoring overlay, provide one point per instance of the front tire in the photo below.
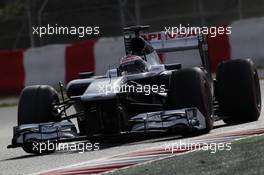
(36, 106)
(191, 88)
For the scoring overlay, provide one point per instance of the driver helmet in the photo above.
(132, 64)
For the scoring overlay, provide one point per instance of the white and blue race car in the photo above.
(142, 96)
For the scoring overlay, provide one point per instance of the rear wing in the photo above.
(165, 42)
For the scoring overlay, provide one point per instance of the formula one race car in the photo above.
(142, 96)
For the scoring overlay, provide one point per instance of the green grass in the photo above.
(245, 157)
(3, 105)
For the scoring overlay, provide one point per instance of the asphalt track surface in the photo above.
(16, 161)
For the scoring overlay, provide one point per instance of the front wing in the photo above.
(65, 131)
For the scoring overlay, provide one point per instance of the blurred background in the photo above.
(18, 16)
(29, 60)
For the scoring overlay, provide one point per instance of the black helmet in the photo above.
(132, 64)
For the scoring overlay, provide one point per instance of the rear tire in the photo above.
(191, 88)
(238, 91)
